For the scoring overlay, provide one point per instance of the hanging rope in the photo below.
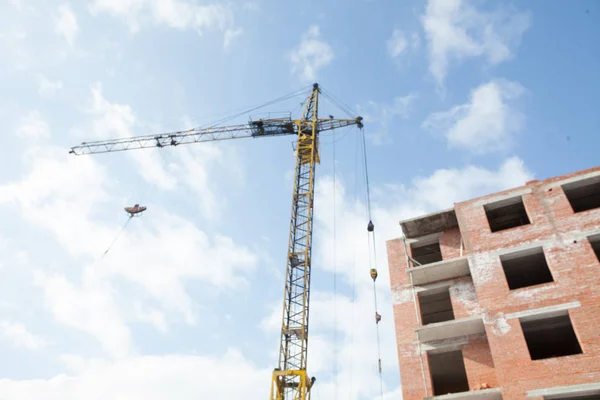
(372, 243)
(116, 237)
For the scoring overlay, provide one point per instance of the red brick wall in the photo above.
(450, 243)
(502, 359)
(479, 363)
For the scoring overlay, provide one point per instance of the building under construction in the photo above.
(499, 297)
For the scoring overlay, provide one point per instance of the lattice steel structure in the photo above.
(290, 380)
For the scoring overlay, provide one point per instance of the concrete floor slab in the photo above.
(449, 329)
(446, 269)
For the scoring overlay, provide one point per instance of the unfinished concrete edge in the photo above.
(566, 391)
(429, 223)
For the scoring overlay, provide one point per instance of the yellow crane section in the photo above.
(290, 380)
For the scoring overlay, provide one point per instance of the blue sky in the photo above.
(460, 99)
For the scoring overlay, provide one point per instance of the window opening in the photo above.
(526, 268)
(506, 214)
(583, 195)
(435, 306)
(426, 251)
(448, 373)
(550, 337)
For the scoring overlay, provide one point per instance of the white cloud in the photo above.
(74, 199)
(152, 316)
(231, 35)
(149, 378)
(448, 186)
(48, 87)
(114, 120)
(486, 123)
(60, 193)
(19, 335)
(455, 29)
(91, 309)
(65, 23)
(63, 194)
(163, 168)
(415, 40)
(397, 43)
(382, 115)
(394, 202)
(194, 173)
(310, 55)
(176, 14)
(33, 126)
(111, 120)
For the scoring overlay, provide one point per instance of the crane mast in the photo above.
(290, 380)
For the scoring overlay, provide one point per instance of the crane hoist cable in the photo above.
(372, 243)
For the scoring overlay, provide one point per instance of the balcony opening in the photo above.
(426, 251)
(550, 337)
(506, 214)
(526, 268)
(583, 195)
(595, 242)
(435, 306)
(448, 373)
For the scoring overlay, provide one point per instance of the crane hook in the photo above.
(373, 274)
(370, 227)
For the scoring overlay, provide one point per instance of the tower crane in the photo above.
(290, 380)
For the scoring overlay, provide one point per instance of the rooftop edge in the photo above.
(429, 223)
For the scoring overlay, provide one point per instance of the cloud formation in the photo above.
(175, 14)
(311, 55)
(47, 87)
(18, 334)
(33, 126)
(70, 199)
(398, 43)
(456, 30)
(487, 123)
(382, 115)
(65, 23)
(149, 378)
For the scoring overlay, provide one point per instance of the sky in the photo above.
(459, 99)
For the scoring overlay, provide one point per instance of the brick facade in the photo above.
(499, 356)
